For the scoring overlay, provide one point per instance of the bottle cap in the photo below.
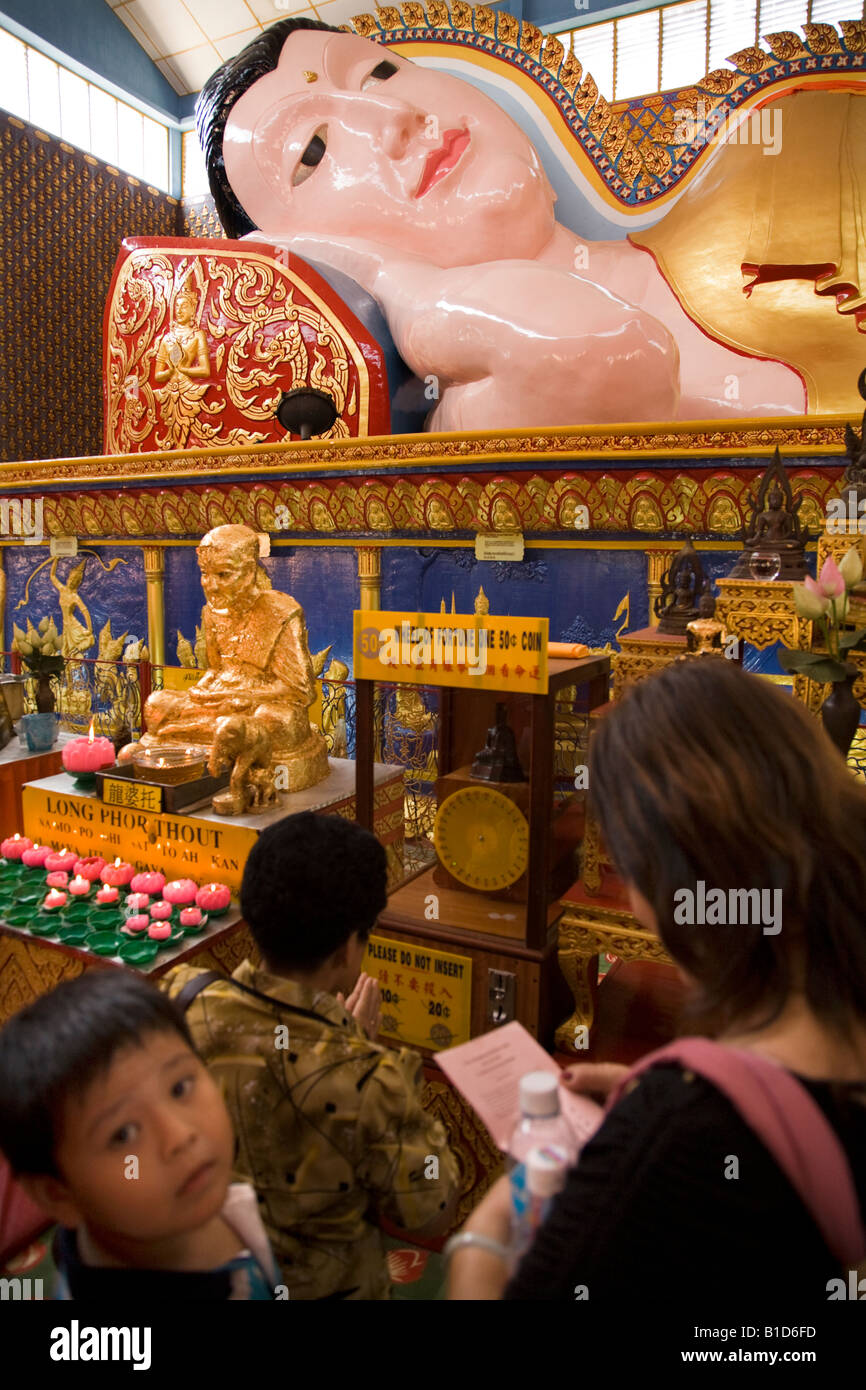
(546, 1169)
(539, 1094)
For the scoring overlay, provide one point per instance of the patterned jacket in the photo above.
(329, 1127)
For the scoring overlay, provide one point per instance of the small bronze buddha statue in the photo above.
(855, 472)
(498, 760)
(773, 526)
(677, 604)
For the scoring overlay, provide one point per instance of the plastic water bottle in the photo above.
(541, 1126)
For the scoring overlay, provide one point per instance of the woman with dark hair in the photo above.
(741, 837)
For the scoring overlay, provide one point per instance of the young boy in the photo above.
(331, 1131)
(114, 1126)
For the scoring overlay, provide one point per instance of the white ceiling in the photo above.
(188, 39)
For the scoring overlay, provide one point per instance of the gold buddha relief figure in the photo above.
(181, 374)
(259, 667)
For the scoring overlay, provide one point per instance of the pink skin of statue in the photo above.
(434, 200)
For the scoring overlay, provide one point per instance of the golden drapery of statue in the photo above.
(259, 668)
(765, 250)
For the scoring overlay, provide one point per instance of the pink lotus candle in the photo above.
(133, 925)
(79, 887)
(117, 875)
(191, 917)
(106, 895)
(58, 879)
(62, 860)
(137, 902)
(213, 897)
(14, 847)
(89, 868)
(54, 900)
(161, 911)
(181, 891)
(88, 754)
(150, 882)
(159, 931)
(35, 857)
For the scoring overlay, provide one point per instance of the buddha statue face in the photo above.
(184, 309)
(228, 564)
(346, 137)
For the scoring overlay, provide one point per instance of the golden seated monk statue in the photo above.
(259, 671)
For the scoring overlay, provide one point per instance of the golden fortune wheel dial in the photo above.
(482, 838)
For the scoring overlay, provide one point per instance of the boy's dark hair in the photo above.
(309, 884)
(216, 99)
(59, 1044)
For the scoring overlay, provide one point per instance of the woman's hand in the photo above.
(365, 1005)
(594, 1078)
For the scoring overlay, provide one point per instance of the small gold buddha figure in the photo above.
(706, 635)
(503, 516)
(182, 365)
(258, 660)
(436, 515)
(377, 516)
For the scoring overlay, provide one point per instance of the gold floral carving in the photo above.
(824, 39)
(413, 15)
(530, 40)
(584, 932)
(758, 437)
(762, 613)
(251, 331)
(617, 500)
(640, 658)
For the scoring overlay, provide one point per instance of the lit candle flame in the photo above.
(117, 862)
(90, 733)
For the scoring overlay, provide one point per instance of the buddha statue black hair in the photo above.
(216, 99)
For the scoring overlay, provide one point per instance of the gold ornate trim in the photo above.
(794, 435)
(622, 501)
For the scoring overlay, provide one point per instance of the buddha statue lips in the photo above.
(443, 160)
(258, 664)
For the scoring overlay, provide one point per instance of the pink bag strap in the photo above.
(788, 1122)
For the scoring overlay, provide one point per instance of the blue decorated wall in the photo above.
(324, 580)
(112, 589)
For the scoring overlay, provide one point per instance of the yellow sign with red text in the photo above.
(473, 651)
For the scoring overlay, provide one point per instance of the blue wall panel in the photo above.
(118, 594)
(324, 580)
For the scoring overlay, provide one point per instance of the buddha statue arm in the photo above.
(163, 369)
(505, 329)
(200, 366)
(291, 667)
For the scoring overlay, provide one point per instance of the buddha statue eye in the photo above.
(381, 72)
(312, 156)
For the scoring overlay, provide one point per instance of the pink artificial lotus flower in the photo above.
(830, 583)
